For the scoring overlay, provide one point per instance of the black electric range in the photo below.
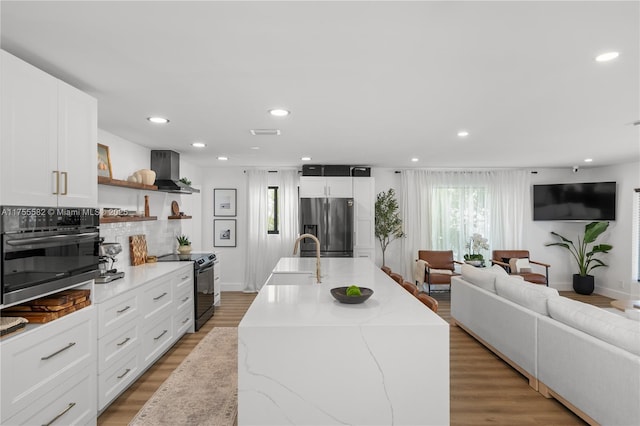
(204, 291)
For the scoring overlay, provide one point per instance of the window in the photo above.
(457, 212)
(272, 210)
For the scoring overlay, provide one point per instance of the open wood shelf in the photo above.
(118, 219)
(125, 184)
(179, 217)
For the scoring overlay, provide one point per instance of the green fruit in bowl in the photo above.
(353, 290)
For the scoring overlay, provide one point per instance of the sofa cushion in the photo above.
(530, 296)
(480, 277)
(609, 327)
(633, 314)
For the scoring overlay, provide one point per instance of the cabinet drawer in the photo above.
(157, 338)
(34, 364)
(117, 312)
(72, 403)
(117, 378)
(157, 298)
(183, 278)
(184, 296)
(116, 345)
(183, 320)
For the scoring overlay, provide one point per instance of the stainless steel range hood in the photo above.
(166, 164)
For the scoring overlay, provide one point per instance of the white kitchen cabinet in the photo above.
(137, 324)
(49, 369)
(364, 217)
(320, 186)
(49, 136)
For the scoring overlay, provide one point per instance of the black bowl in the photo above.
(340, 293)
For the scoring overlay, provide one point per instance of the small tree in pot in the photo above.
(388, 223)
(583, 283)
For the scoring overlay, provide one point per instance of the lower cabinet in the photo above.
(137, 326)
(48, 372)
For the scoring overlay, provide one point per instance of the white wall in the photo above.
(617, 280)
(232, 259)
(126, 158)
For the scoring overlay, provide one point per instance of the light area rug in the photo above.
(203, 390)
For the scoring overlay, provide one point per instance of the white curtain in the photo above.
(442, 209)
(263, 249)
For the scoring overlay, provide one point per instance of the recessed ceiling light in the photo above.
(306, 158)
(255, 148)
(463, 133)
(607, 56)
(265, 132)
(279, 112)
(158, 120)
(415, 160)
(588, 160)
(198, 144)
(223, 158)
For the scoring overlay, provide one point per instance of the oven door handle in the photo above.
(52, 238)
(199, 271)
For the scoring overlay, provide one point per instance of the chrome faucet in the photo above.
(314, 238)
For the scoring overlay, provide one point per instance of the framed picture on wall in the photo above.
(104, 162)
(224, 202)
(224, 233)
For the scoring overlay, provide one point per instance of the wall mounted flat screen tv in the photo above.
(575, 201)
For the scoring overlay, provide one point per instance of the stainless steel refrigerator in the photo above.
(331, 220)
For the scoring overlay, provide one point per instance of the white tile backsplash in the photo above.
(160, 236)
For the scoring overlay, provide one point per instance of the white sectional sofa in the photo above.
(584, 356)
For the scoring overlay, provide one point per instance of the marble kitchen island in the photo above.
(305, 359)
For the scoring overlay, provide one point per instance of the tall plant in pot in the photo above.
(388, 225)
(583, 283)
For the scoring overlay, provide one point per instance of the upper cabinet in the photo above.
(49, 135)
(320, 186)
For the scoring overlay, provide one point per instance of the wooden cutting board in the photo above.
(138, 249)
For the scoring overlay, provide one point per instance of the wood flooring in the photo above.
(484, 389)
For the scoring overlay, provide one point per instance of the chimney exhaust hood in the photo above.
(166, 164)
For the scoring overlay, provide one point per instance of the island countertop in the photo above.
(311, 303)
(306, 359)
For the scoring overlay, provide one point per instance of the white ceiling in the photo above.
(368, 83)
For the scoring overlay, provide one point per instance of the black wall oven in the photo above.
(45, 249)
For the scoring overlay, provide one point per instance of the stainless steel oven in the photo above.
(45, 249)
(205, 291)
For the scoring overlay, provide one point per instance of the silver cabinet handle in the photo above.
(124, 374)
(161, 296)
(66, 180)
(185, 299)
(185, 277)
(124, 341)
(161, 334)
(126, 308)
(44, 358)
(69, 407)
(57, 173)
(186, 320)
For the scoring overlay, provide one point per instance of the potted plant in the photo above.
(388, 225)
(583, 283)
(184, 244)
(475, 244)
